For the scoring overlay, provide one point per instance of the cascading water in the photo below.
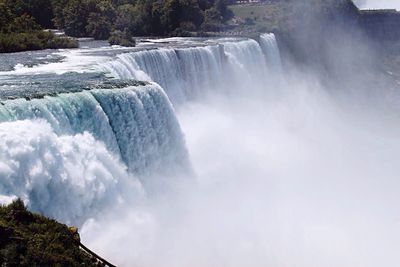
(247, 57)
(182, 73)
(68, 177)
(188, 73)
(270, 49)
(146, 129)
(56, 135)
(201, 69)
(98, 139)
(137, 123)
(297, 178)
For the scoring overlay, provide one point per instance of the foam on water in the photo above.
(56, 148)
(71, 153)
(190, 73)
(68, 177)
(137, 123)
(270, 49)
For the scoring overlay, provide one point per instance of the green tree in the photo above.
(205, 4)
(171, 17)
(75, 18)
(105, 8)
(98, 18)
(121, 38)
(212, 20)
(222, 7)
(146, 21)
(5, 16)
(41, 10)
(191, 12)
(58, 11)
(28, 239)
(24, 23)
(125, 16)
(98, 26)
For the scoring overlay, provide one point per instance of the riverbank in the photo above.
(309, 32)
(34, 40)
(29, 239)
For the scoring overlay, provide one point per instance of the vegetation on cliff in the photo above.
(118, 19)
(304, 28)
(288, 15)
(28, 239)
(19, 31)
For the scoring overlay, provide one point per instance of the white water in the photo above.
(138, 123)
(378, 4)
(68, 177)
(70, 156)
(134, 128)
(292, 178)
(286, 174)
(191, 73)
(270, 49)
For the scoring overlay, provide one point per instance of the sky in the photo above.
(378, 4)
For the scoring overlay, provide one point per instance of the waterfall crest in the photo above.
(89, 143)
(136, 123)
(188, 73)
(270, 49)
(96, 142)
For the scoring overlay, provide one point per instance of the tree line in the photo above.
(20, 31)
(115, 19)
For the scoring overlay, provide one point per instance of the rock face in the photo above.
(381, 24)
(28, 239)
(315, 30)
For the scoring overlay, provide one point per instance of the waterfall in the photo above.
(68, 177)
(136, 123)
(201, 69)
(270, 49)
(145, 127)
(96, 143)
(246, 57)
(67, 114)
(182, 73)
(90, 140)
(188, 73)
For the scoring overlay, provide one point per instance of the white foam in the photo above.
(68, 177)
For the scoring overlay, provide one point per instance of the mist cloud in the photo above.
(378, 4)
(290, 177)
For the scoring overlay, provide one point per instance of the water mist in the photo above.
(231, 159)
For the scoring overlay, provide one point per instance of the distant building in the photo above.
(248, 1)
(253, 1)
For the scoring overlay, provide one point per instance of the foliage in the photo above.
(40, 10)
(24, 23)
(121, 38)
(20, 27)
(58, 12)
(142, 17)
(29, 239)
(125, 16)
(75, 15)
(5, 16)
(222, 7)
(98, 26)
(99, 18)
(213, 20)
(36, 40)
